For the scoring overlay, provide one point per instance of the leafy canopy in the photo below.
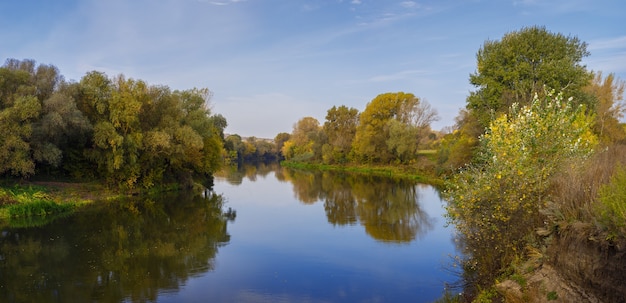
(520, 65)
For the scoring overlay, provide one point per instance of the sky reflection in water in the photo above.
(286, 250)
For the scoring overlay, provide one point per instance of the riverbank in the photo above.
(397, 171)
(27, 204)
(36, 203)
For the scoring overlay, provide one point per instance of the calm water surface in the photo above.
(297, 236)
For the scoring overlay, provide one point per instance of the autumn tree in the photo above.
(304, 140)
(457, 148)
(279, 142)
(610, 106)
(340, 129)
(389, 127)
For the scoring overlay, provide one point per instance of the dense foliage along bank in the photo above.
(538, 178)
(536, 125)
(124, 131)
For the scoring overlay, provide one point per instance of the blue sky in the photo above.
(270, 63)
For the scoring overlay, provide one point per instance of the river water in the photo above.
(264, 234)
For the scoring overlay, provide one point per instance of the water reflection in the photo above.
(389, 209)
(123, 250)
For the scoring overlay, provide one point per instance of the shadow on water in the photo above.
(114, 251)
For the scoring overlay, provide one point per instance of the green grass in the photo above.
(38, 208)
(18, 202)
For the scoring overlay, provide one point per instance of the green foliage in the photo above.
(552, 296)
(121, 130)
(496, 203)
(520, 65)
(16, 130)
(448, 297)
(519, 279)
(252, 149)
(611, 206)
(306, 141)
(27, 206)
(486, 296)
(37, 208)
(340, 128)
(371, 135)
(403, 141)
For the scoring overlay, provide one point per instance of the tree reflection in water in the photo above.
(113, 251)
(387, 208)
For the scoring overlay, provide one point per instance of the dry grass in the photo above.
(575, 190)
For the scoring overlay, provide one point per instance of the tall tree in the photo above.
(279, 142)
(610, 106)
(340, 129)
(19, 110)
(520, 65)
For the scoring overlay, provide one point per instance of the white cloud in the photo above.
(409, 4)
(222, 3)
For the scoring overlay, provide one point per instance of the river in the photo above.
(264, 234)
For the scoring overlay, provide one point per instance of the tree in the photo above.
(340, 129)
(370, 139)
(403, 140)
(458, 147)
(373, 142)
(15, 131)
(19, 109)
(143, 134)
(610, 106)
(520, 65)
(279, 142)
(61, 128)
(304, 137)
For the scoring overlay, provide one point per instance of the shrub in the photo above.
(611, 206)
(496, 202)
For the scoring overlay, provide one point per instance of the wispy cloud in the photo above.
(401, 75)
(608, 54)
(409, 4)
(608, 43)
(555, 6)
(222, 3)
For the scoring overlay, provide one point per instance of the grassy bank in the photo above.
(38, 203)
